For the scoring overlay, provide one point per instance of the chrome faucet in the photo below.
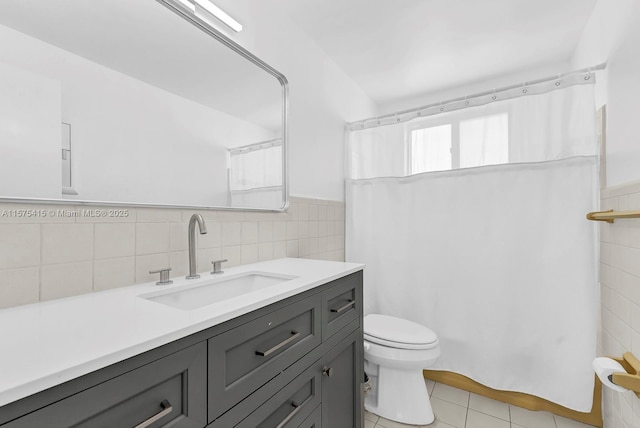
(192, 243)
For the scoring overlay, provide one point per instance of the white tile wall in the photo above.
(20, 245)
(65, 279)
(114, 240)
(20, 286)
(620, 297)
(64, 243)
(53, 251)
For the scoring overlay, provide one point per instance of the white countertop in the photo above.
(47, 343)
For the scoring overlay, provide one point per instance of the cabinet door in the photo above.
(171, 390)
(342, 374)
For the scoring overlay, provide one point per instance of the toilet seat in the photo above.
(398, 333)
(400, 345)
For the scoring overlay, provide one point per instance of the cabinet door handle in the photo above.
(345, 307)
(285, 342)
(166, 409)
(327, 371)
(294, 412)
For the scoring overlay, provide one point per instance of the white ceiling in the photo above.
(394, 49)
(398, 49)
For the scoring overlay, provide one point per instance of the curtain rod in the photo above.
(481, 98)
(256, 146)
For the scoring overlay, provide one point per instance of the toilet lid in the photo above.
(388, 330)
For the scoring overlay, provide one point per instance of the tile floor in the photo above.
(455, 408)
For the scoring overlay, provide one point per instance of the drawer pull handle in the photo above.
(327, 371)
(285, 342)
(345, 307)
(166, 409)
(294, 412)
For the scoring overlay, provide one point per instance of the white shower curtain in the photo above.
(498, 260)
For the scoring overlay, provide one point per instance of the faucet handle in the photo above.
(164, 276)
(217, 266)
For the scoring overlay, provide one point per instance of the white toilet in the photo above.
(395, 352)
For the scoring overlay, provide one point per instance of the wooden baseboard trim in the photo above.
(519, 399)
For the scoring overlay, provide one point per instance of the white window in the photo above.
(431, 149)
(459, 143)
(484, 141)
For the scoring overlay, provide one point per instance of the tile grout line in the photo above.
(466, 415)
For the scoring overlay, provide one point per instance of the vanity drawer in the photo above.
(169, 390)
(290, 406)
(314, 420)
(341, 304)
(246, 357)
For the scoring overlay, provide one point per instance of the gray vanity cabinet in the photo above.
(245, 358)
(297, 363)
(314, 420)
(291, 405)
(341, 304)
(340, 393)
(169, 390)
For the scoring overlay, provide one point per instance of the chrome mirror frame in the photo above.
(180, 9)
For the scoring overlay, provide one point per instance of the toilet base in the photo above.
(401, 396)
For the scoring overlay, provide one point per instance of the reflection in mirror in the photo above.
(122, 101)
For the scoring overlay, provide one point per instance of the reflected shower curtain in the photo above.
(498, 260)
(255, 175)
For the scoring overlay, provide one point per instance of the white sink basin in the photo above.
(215, 290)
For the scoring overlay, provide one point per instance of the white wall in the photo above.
(322, 97)
(472, 88)
(612, 35)
(30, 114)
(125, 131)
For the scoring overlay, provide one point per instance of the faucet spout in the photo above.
(196, 218)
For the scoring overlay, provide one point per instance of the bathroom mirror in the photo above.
(136, 102)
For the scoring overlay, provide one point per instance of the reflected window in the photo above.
(255, 173)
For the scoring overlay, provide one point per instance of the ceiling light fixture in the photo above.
(217, 13)
(208, 9)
